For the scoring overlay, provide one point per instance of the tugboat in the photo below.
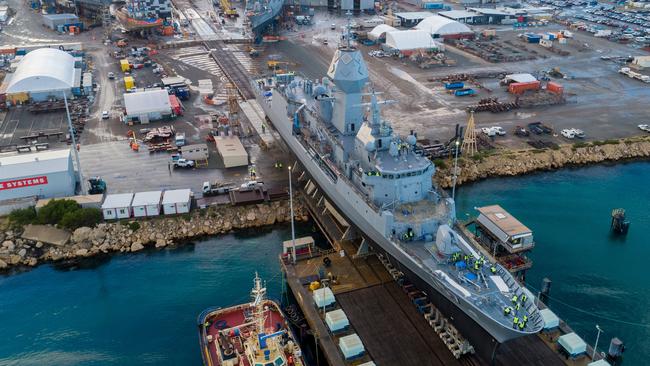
(256, 333)
(620, 225)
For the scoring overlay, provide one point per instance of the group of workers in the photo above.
(458, 256)
(278, 165)
(408, 235)
(517, 302)
(373, 174)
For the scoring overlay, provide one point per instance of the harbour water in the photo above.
(141, 308)
(597, 278)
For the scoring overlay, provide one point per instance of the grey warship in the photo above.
(261, 14)
(335, 128)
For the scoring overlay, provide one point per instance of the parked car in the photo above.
(493, 131)
(521, 131)
(572, 133)
(111, 75)
(184, 163)
(644, 127)
(105, 115)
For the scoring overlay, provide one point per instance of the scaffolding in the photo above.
(469, 140)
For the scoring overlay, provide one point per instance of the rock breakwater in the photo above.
(136, 235)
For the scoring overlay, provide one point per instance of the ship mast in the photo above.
(258, 293)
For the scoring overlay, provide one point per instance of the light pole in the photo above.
(453, 187)
(596, 345)
(293, 232)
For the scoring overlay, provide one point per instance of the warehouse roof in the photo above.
(230, 146)
(42, 70)
(520, 78)
(147, 102)
(27, 165)
(410, 40)
(438, 25)
(146, 198)
(458, 14)
(414, 15)
(176, 196)
(120, 200)
(59, 16)
(379, 30)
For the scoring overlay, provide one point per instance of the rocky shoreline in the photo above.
(513, 163)
(136, 235)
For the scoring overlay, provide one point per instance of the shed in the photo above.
(408, 41)
(323, 297)
(87, 83)
(147, 106)
(351, 346)
(519, 78)
(231, 151)
(379, 32)
(146, 204)
(505, 228)
(174, 80)
(572, 344)
(641, 61)
(117, 206)
(304, 247)
(195, 152)
(551, 321)
(177, 201)
(441, 27)
(336, 320)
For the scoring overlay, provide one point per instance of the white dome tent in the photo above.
(441, 27)
(43, 72)
(380, 31)
(408, 41)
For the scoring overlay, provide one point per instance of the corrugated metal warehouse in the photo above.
(45, 175)
(42, 74)
(147, 106)
(53, 21)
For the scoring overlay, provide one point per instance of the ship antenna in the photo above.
(348, 28)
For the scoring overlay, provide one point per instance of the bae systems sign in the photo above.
(22, 183)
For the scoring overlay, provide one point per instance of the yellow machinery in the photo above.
(133, 142)
(129, 82)
(228, 9)
(275, 65)
(124, 64)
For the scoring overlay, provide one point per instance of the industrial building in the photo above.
(44, 175)
(146, 204)
(150, 105)
(500, 15)
(410, 41)
(412, 18)
(357, 5)
(463, 16)
(143, 9)
(42, 74)
(378, 33)
(177, 201)
(117, 206)
(231, 151)
(441, 27)
(58, 21)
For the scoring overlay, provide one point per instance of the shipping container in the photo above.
(464, 92)
(427, 5)
(456, 85)
(554, 87)
(124, 64)
(129, 82)
(518, 88)
(533, 38)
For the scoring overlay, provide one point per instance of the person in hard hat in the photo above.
(521, 325)
(523, 298)
(515, 321)
(514, 299)
(507, 310)
(493, 269)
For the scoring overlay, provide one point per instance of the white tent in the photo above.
(408, 40)
(438, 26)
(150, 101)
(44, 69)
(380, 31)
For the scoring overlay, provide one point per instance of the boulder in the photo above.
(22, 252)
(82, 234)
(9, 245)
(161, 243)
(81, 252)
(3, 264)
(136, 246)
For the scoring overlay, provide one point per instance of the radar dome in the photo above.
(446, 240)
(411, 140)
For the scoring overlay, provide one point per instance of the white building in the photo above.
(177, 201)
(117, 206)
(231, 151)
(45, 174)
(379, 32)
(147, 106)
(408, 41)
(441, 27)
(42, 74)
(146, 204)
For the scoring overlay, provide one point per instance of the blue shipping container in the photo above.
(534, 39)
(456, 85)
(464, 92)
(433, 5)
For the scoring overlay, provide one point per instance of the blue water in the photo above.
(141, 308)
(597, 278)
(134, 309)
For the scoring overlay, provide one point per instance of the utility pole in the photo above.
(593, 355)
(453, 187)
(74, 145)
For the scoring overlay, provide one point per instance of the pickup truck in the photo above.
(184, 163)
(250, 185)
(210, 189)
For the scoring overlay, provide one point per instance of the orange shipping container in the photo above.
(518, 88)
(8, 51)
(554, 88)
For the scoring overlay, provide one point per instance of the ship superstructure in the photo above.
(261, 14)
(335, 128)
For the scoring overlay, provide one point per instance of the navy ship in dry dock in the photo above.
(261, 14)
(375, 177)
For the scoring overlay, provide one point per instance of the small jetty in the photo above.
(620, 225)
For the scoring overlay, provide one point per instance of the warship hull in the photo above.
(260, 22)
(484, 332)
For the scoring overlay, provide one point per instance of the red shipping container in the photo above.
(554, 88)
(518, 88)
(176, 105)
